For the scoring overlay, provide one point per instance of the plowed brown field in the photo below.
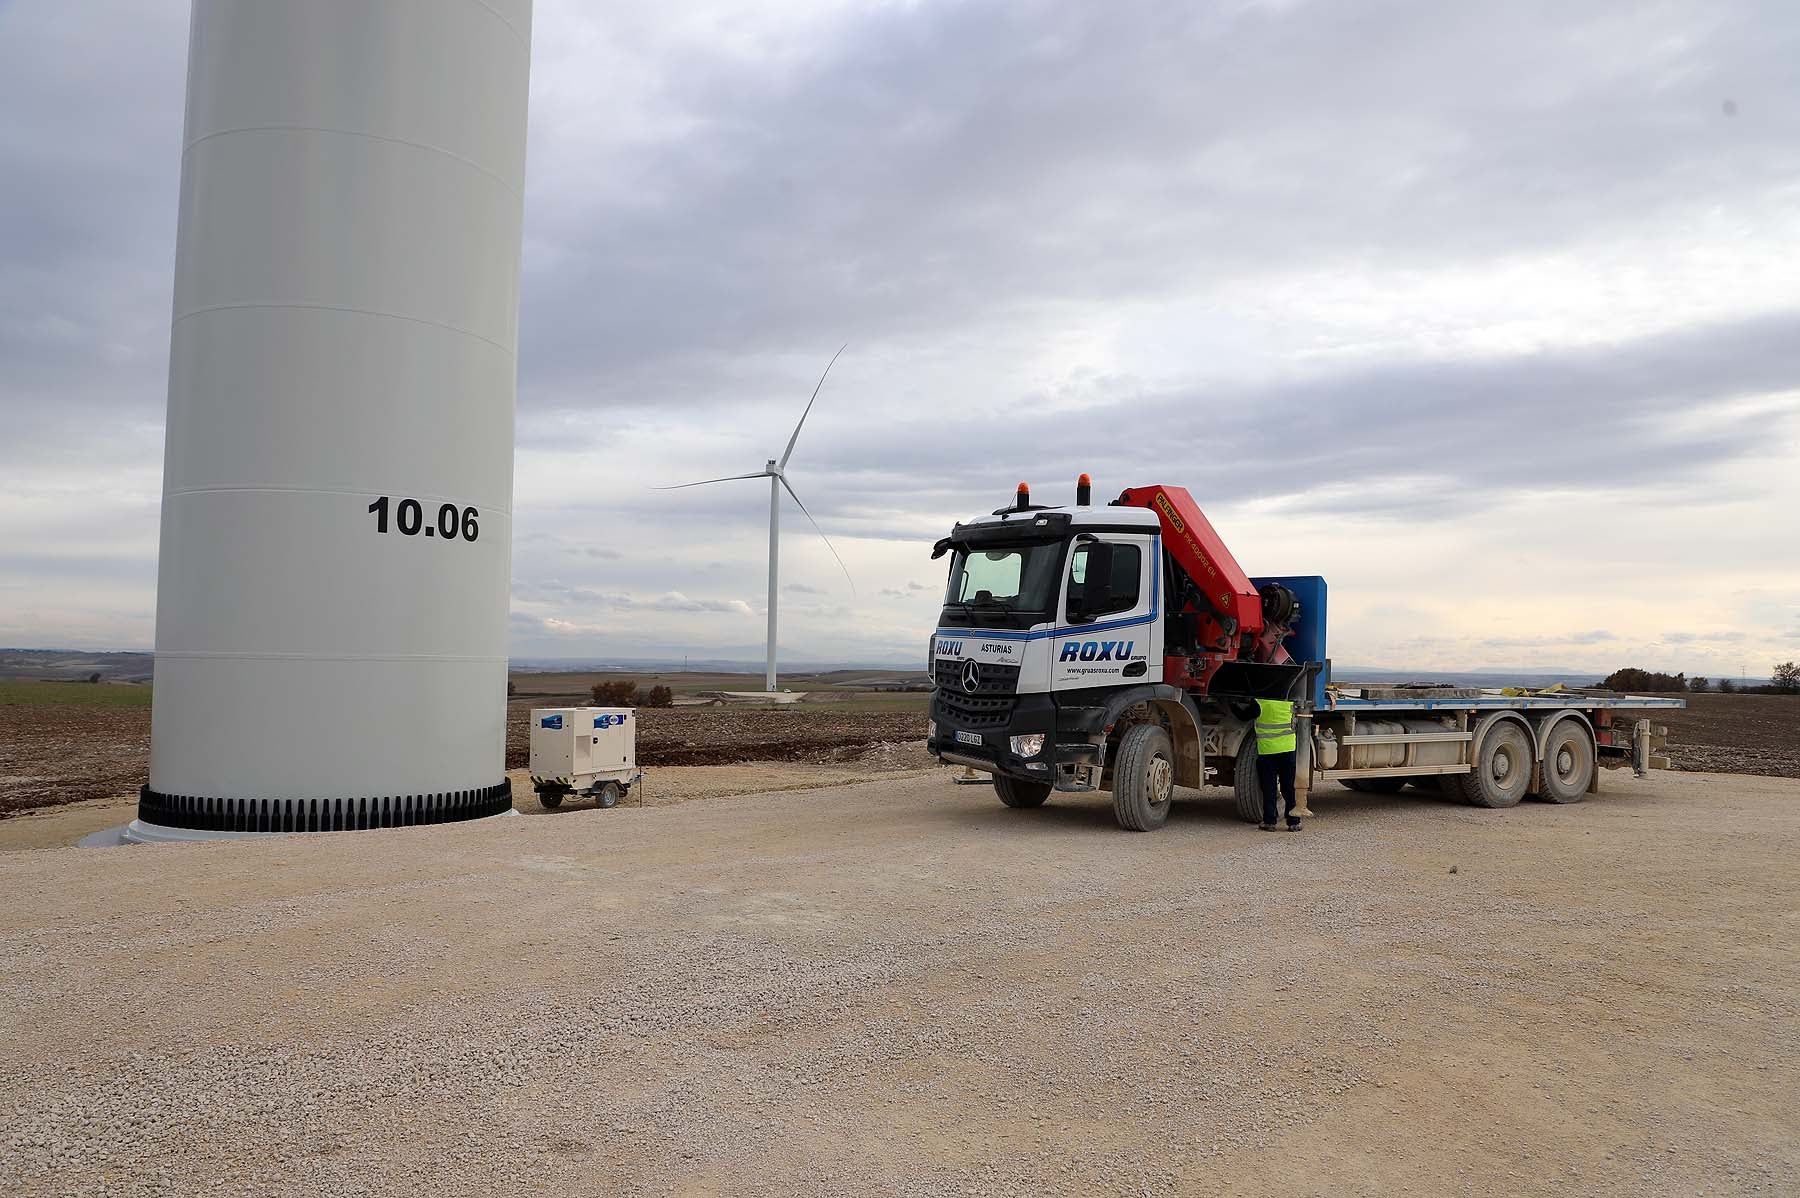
(62, 753)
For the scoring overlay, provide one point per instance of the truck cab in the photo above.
(1054, 626)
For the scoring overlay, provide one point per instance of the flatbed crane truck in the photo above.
(1093, 648)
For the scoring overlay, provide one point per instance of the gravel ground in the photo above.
(902, 987)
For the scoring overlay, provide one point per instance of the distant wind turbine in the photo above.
(775, 472)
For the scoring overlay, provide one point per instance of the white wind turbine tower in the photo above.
(775, 472)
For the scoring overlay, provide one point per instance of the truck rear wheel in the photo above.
(609, 796)
(1502, 775)
(550, 798)
(1568, 766)
(1016, 792)
(1144, 778)
(1244, 785)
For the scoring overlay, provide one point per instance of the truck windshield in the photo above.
(1003, 586)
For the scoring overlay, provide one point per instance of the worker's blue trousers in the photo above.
(1277, 769)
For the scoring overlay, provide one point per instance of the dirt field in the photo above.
(51, 753)
(73, 743)
(721, 735)
(1737, 734)
(905, 988)
(68, 742)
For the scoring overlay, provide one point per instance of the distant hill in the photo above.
(72, 664)
(76, 664)
(135, 667)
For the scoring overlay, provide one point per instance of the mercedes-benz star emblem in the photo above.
(971, 676)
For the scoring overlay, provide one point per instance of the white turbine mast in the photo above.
(776, 472)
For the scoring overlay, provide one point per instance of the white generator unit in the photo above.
(585, 751)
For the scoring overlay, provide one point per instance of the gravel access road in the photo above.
(901, 987)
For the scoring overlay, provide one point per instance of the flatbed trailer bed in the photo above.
(1486, 747)
(1515, 702)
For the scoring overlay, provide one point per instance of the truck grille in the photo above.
(995, 679)
(991, 704)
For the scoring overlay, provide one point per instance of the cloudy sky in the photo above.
(1488, 313)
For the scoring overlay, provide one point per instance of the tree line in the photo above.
(625, 693)
(1784, 679)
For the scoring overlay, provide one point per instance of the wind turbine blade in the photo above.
(809, 403)
(731, 478)
(821, 532)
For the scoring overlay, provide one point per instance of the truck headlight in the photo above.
(1029, 745)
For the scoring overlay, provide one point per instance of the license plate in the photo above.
(968, 738)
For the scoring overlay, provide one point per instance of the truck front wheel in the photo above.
(1015, 792)
(1144, 778)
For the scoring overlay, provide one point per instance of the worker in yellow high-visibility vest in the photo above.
(1275, 745)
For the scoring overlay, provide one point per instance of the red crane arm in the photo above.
(1201, 552)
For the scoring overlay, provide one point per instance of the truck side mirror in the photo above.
(1096, 586)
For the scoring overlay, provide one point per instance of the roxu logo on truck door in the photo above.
(1096, 650)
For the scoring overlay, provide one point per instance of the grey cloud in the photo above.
(1420, 440)
(92, 145)
(79, 567)
(1598, 636)
(1074, 152)
(911, 590)
(964, 191)
(671, 601)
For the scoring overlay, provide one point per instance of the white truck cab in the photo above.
(1051, 618)
(1024, 596)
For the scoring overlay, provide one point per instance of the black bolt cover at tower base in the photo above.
(321, 815)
